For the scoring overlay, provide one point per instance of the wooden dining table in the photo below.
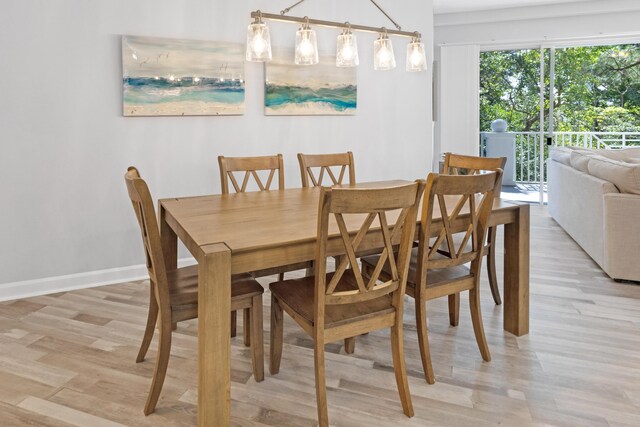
(245, 232)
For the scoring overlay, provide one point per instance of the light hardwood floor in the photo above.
(69, 359)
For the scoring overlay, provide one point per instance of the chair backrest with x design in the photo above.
(362, 206)
(250, 166)
(145, 213)
(458, 164)
(342, 162)
(464, 203)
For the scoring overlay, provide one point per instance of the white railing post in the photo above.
(529, 161)
(521, 157)
(535, 161)
(599, 141)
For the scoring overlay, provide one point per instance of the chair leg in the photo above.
(399, 368)
(491, 266)
(478, 328)
(152, 317)
(246, 326)
(423, 339)
(454, 309)
(350, 345)
(276, 332)
(174, 326)
(234, 321)
(160, 371)
(257, 346)
(280, 277)
(321, 387)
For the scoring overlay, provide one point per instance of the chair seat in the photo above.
(435, 277)
(183, 286)
(298, 294)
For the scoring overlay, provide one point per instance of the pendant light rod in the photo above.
(386, 14)
(332, 24)
(287, 9)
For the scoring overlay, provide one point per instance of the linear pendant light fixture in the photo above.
(383, 57)
(258, 41)
(306, 47)
(347, 49)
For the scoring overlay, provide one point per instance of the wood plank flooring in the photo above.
(69, 360)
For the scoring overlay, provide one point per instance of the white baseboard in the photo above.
(70, 282)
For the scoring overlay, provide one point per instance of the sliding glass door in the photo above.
(510, 82)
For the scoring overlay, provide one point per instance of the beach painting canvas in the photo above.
(320, 89)
(175, 77)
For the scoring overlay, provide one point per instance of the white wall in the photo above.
(459, 123)
(66, 146)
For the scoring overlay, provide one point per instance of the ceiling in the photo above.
(453, 6)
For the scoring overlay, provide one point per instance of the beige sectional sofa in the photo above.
(595, 196)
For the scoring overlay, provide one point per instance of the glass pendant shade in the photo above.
(306, 47)
(258, 42)
(416, 58)
(383, 58)
(347, 50)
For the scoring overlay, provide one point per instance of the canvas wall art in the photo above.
(175, 77)
(320, 89)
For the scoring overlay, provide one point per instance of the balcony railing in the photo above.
(527, 146)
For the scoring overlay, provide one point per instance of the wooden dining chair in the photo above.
(174, 294)
(338, 305)
(326, 165)
(251, 167)
(458, 164)
(464, 204)
(335, 167)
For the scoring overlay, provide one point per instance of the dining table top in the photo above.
(262, 219)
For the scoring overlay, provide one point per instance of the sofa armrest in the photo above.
(575, 203)
(622, 235)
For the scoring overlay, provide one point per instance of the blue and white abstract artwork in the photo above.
(320, 89)
(175, 77)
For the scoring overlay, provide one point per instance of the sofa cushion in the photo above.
(579, 159)
(561, 154)
(622, 154)
(625, 176)
(572, 147)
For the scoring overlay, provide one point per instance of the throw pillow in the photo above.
(561, 155)
(622, 154)
(579, 159)
(625, 176)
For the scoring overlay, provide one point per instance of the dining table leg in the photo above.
(214, 341)
(168, 240)
(516, 273)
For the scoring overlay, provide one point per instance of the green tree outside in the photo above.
(597, 89)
